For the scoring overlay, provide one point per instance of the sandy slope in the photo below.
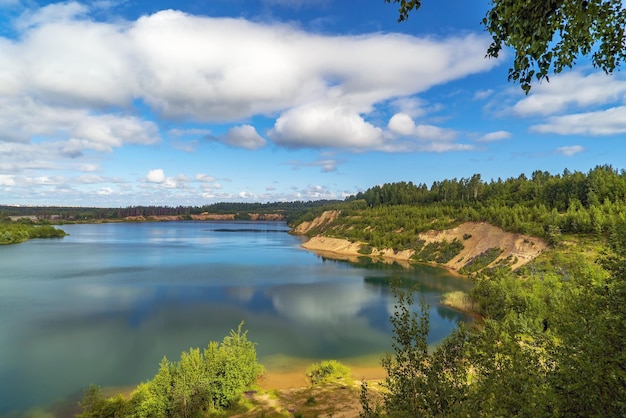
(482, 236)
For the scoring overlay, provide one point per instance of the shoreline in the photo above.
(297, 379)
(342, 249)
(477, 238)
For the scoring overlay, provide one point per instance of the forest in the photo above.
(544, 205)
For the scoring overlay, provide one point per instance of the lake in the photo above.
(106, 303)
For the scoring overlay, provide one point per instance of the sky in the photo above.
(116, 103)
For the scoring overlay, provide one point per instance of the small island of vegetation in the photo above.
(24, 229)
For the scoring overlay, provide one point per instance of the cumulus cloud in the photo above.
(422, 137)
(572, 89)
(244, 136)
(494, 136)
(401, 124)
(156, 176)
(324, 125)
(604, 122)
(24, 118)
(73, 86)
(66, 67)
(568, 151)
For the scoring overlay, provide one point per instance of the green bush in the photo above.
(200, 381)
(481, 261)
(328, 371)
(365, 249)
(440, 252)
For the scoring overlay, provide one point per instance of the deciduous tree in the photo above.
(548, 36)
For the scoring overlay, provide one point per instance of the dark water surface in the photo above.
(106, 303)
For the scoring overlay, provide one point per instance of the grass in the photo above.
(460, 301)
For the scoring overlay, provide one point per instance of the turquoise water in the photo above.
(106, 303)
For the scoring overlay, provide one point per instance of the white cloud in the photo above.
(106, 191)
(483, 94)
(6, 180)
(88, 168)
(401, 124)
(324, 125)
(494, 136)
(61, 78)
(169, 183)
(422, 137)
(90, 179)
(24, 118)
(568, 151)
(205, 178)
(327, 165)
(156, 176)
(604, 122)
(572, 89)
(244, 136)
(411, 106)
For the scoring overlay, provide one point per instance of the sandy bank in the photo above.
(295, 379)
(476, 237)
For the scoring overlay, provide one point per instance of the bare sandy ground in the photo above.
(295, 379)
(476, 237)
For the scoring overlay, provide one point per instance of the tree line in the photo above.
(555, 191)
(288, 210)
(544, 205)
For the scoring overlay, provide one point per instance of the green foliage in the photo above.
(439, 252)
(328, 371)
(481, 261)
(550, 35)
(406, 6)
(590, 27)
(553, 343)
(419, 383)
(16, 232)
(543, 205)
(365, 249)
(213, 379)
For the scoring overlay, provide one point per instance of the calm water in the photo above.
(104, 304)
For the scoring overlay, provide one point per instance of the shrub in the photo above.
(210, 380)
(481, 261)
(328, 371)
(365, 249)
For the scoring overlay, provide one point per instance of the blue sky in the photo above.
(117, 103)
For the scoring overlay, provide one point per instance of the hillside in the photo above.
(477, 238)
